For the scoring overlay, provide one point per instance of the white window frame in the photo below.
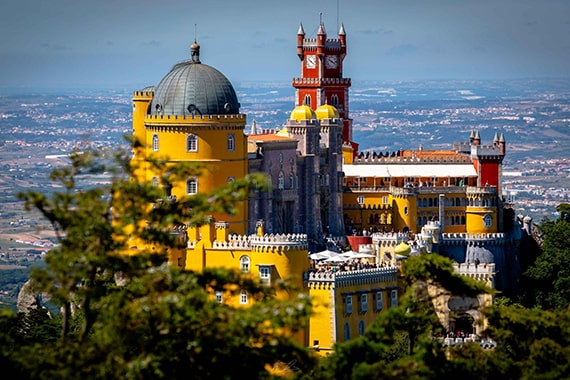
(191, 143)
(155, 143)
(265, 274)
(245, 264)
(243, 297)
(488, 220)
(231, 142)
(360, 199)
(219, 297)
(192, 186)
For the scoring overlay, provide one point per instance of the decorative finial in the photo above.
(195, 49)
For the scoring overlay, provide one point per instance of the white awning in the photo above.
(410, 170)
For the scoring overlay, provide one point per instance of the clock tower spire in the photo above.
(321, 80)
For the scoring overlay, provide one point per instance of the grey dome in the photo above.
(194, 88)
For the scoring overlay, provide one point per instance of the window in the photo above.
(154, 181)
(346, 331)
(363, 303)
(379, 301)
(265, 274)
(155, 143)
(192, 186)
(291, 181)
(405, 210)
(191, 143)
(394, 298)
(488, 220)
(281, 184)
(243, 297)
(334, 100)
(231, 179)
(219, 298)
(348, 304)
(361, 327)
(307, 100)
(385, 200)
(244, 262)
(231, 142)
(360, 199)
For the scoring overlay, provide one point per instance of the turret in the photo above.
(342, 38)
(300, 38)
(502, 145)
(477, 139)
(321, 38)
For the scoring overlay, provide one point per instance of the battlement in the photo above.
(391, 238)
(354, 277)
(482, 272)
(143, 94)
(486, 151)
(281, 242)
(317, 82)
(166, 118)
(480, 190)
(462, 238)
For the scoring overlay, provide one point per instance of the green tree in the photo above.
(547, 279)
(158, 321)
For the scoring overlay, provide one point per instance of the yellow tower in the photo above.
(481, 211)
(405, 210)
(193, 116)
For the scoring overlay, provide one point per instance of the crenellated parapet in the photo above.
(354, 277)
(279, 242)
(497, 238)
(143, 94)
(389, 238)
(158, 120)
(317, 82)
(480, 272)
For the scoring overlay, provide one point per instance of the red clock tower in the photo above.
(321, 80)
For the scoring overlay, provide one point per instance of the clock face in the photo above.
(311, 61)
(332, 61)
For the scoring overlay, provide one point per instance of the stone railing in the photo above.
(354, 277)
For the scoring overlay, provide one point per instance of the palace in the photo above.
(325, 193)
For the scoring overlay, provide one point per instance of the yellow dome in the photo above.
(326, 111)
(302, 113)
(402, 249)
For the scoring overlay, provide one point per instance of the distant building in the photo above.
(324, 192)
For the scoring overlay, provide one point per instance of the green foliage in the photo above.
(400, 344)
(548, 278)
(136, 316)
(532, 343)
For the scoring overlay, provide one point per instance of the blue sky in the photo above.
(131, 44)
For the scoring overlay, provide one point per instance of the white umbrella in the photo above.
(335, 259)
(322, 254)
(361, 255)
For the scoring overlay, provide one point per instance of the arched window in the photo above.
(334, 100)
(346, 331)
(244, 263)
(307, 100)
(231, 142)
(155, 143)
(231, 179)
(191, 143)
(281, 185)
(405, 210)
(291, 181)
(488, 220)
(192, 186)
(154, 181)
(361, 327)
